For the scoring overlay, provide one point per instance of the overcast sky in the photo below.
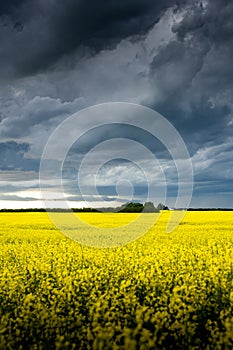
(58, 57)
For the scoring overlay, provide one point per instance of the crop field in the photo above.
(162, 291)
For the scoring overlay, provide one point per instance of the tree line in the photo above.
(130, 207)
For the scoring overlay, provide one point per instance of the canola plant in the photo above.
(162, 291)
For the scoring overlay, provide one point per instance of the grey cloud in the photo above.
(214, 163)
(13, 157)
(16, 176)
(5, 197)
(40, 112)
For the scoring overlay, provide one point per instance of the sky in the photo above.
(58, 58)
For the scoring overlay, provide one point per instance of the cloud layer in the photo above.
(173, 56)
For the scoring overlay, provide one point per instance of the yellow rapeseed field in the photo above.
(162, 291)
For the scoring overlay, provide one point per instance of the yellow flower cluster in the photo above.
(162, 291)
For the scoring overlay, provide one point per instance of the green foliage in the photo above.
(131, 208)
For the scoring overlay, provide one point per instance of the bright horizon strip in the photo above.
(38, 204)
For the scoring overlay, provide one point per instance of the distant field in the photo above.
(162, 291)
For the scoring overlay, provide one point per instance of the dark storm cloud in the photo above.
(10, 7)
(194, 74)
(35, 34)
(210, 32)
(212, 21)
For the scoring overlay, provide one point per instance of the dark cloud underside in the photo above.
(45, 31)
